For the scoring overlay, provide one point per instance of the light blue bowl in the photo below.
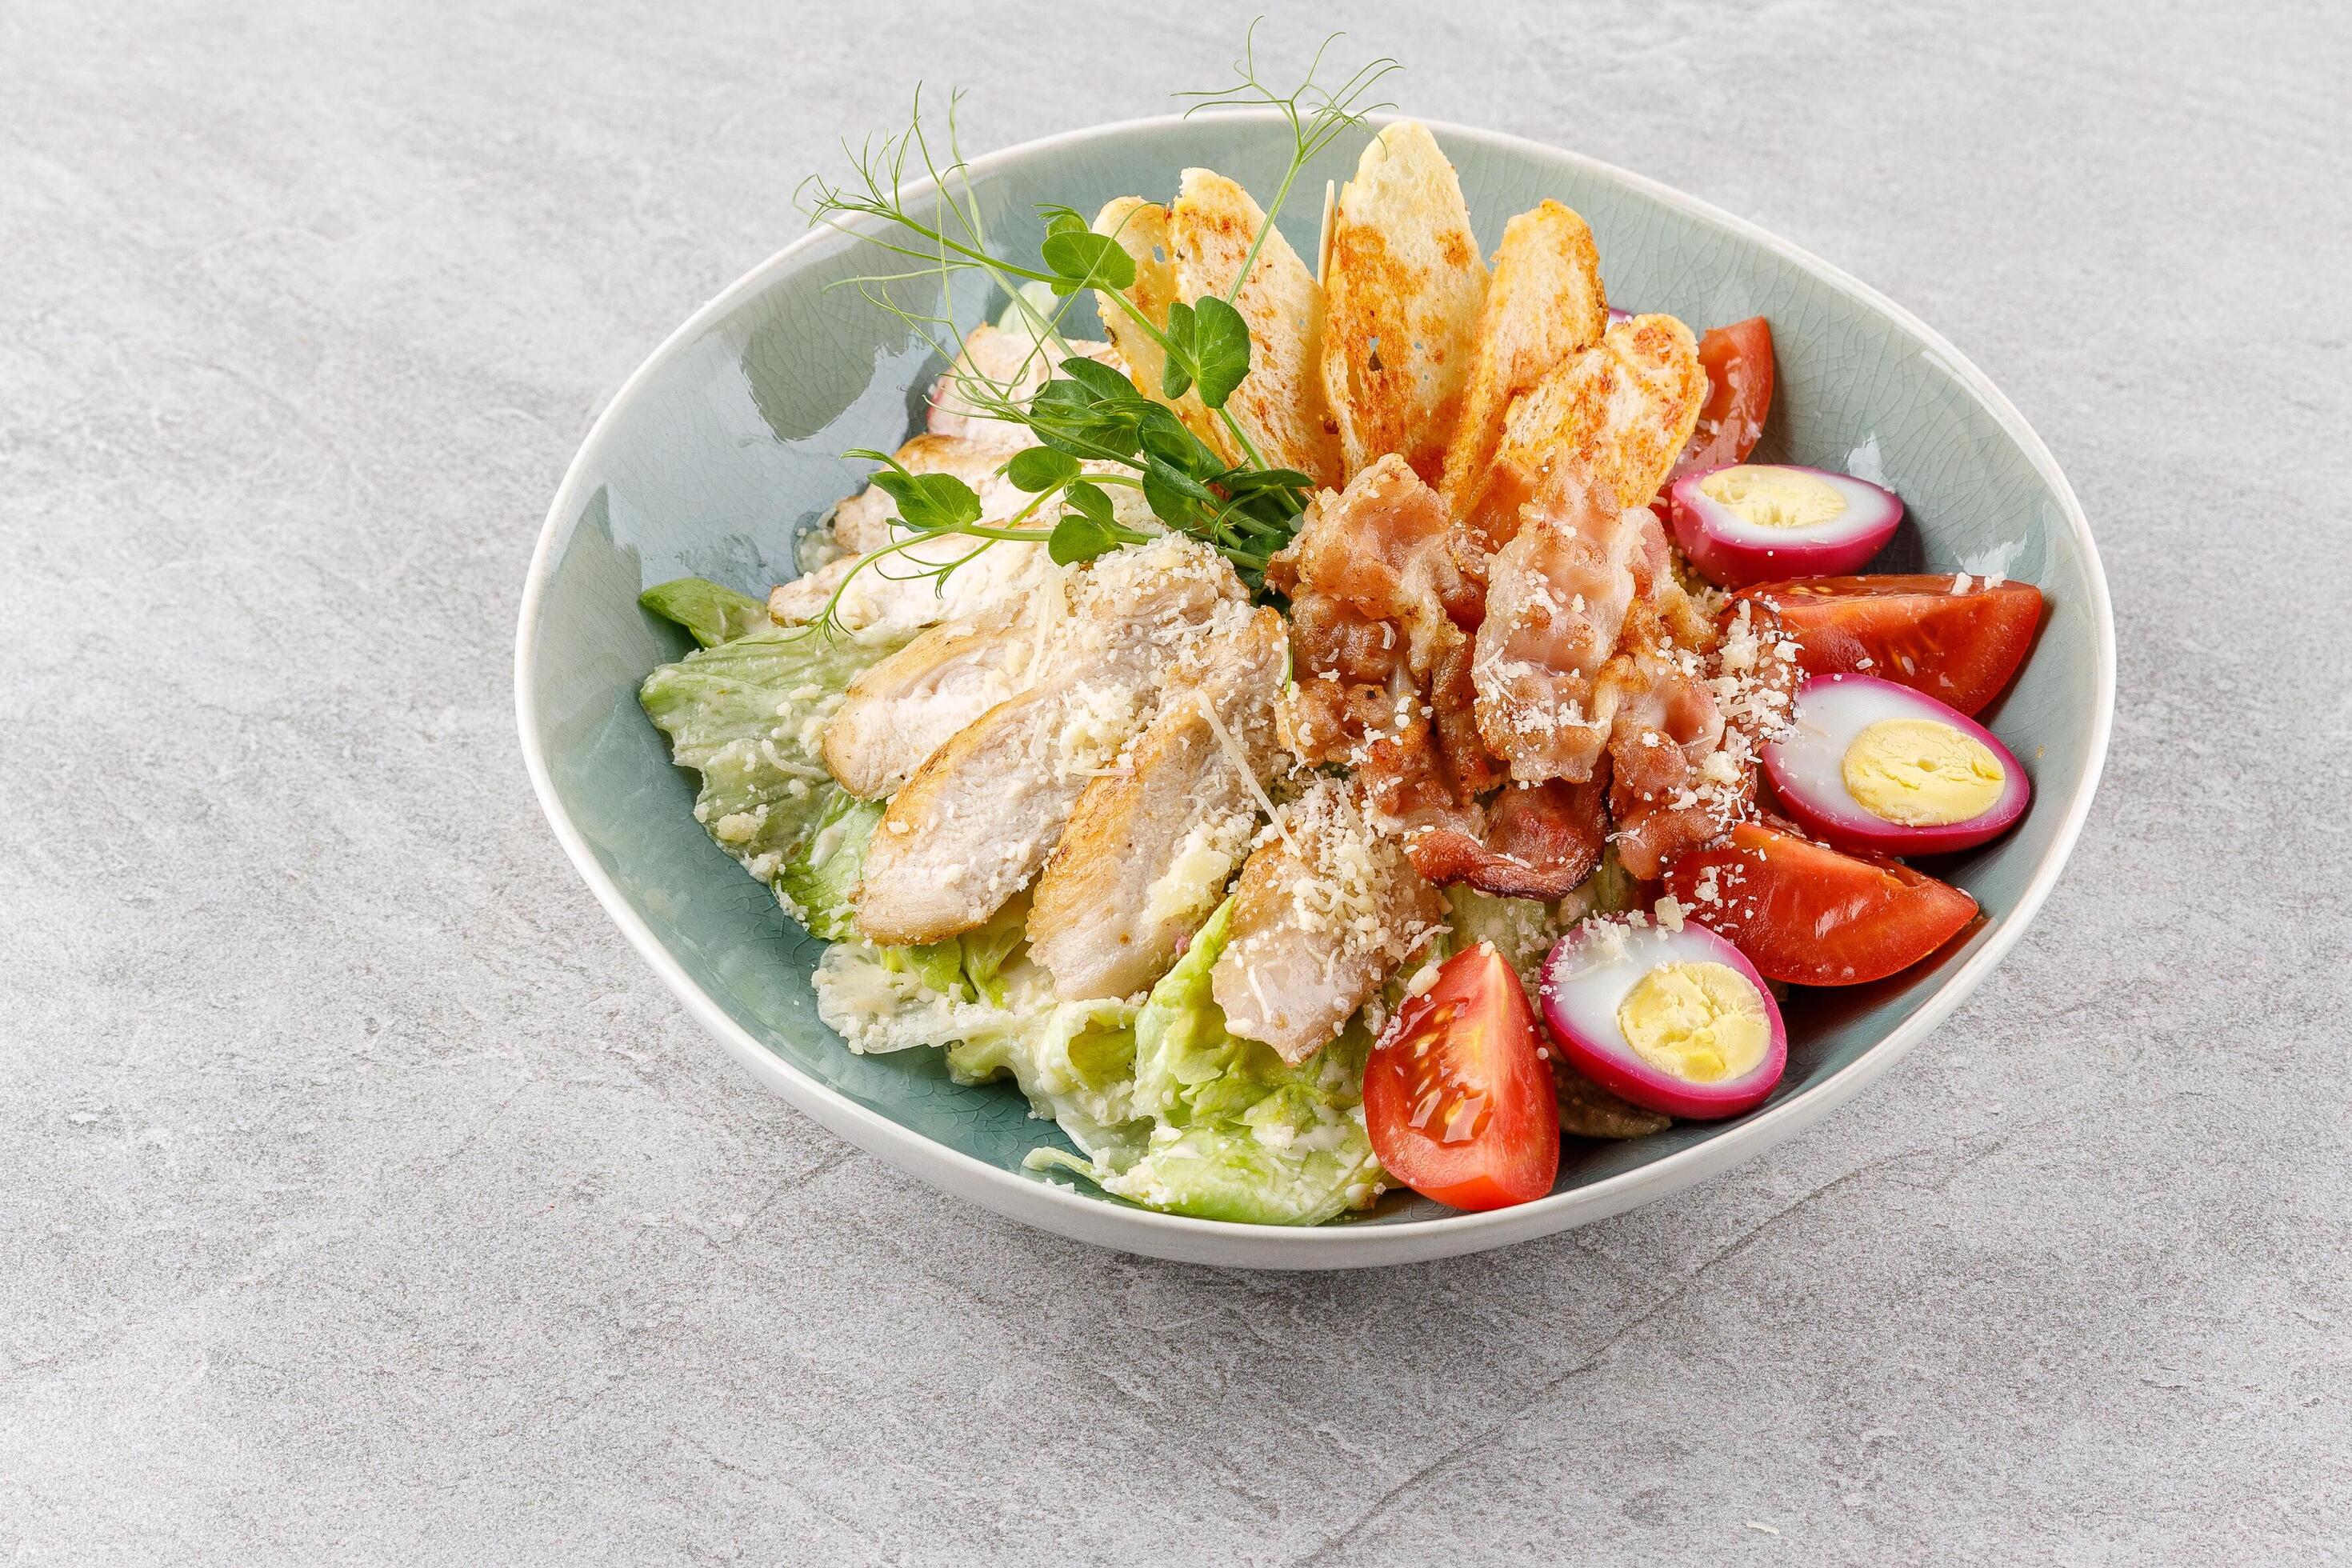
(726, 444)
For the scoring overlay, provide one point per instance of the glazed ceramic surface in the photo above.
(726, 444)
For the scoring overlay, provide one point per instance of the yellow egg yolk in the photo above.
(1702, 1023)
(1768, 497)
(1922, 773)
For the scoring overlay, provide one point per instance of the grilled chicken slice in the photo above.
(900, 710)
(977, 819)
(1326, 910)
(1149, 849)
(995, 363)
(896, 594)
(1620, 411)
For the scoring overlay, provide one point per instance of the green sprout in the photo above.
(1095, 431)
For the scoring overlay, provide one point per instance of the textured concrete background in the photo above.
(361, 1198)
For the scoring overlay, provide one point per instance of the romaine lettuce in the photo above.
(747, 714)
(1075, 1060)
(820, 873)
(1237, 1132)
(713, 613)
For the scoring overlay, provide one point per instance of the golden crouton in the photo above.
(1545, 303)
(1142, 229)
(1280, 406)
(1404, 284)
(1620, 411)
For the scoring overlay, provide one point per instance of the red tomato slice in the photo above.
(1459, 1106)
(1960, 649)
(1739, 361)
(1807, 915)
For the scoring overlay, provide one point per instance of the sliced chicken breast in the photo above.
(1000, 362)
(902, 710)
(897, 594)
(1150, 848)
(978, 817)
(1326, 909)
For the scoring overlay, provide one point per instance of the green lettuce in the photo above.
(746, 713)
(820, 873)
(713, 613)
(1237, 1133)
(1075, 1060)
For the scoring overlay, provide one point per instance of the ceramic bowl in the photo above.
(726, 444)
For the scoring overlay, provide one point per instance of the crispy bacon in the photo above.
(1583, 680)
(1382, 547)
(1663, 729)
(1556, 598)
(1581, 579)
(1539, 841)
(1381, 617)
(1684, 733)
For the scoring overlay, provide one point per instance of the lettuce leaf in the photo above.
(713, 613)
(1075, 1060)
(820, 873)
(1237, 1132)
(746, 714)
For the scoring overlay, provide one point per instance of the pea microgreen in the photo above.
(910, 195)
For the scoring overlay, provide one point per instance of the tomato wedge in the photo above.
(1960, 649)
(1739, 361)
(1459, 1106)
(1807, 915)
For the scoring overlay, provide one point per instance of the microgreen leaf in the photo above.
(1035, 469)
(1098, 377)
(1079, 537)
(1162, 435)
(1176, 377)
(1221, 350)
(1088, 497)
(1082, 259)
(1089, 414)
(928, 502)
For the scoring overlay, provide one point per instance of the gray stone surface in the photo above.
(361, 1198)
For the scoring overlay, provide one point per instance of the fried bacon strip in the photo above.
(1685, 731)
(1387, 685)
(1579, 575)
(1539, 841)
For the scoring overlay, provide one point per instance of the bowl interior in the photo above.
(728, 445)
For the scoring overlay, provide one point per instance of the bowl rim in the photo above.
(1069, 1212)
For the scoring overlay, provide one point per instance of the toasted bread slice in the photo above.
(1280, 405)
(1142, 229)
(1620, 411)
(1545, 303)
(1403, 288)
